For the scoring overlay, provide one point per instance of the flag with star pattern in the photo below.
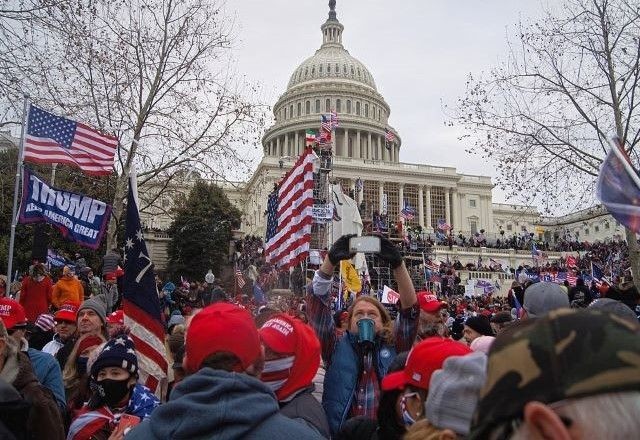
(54, 139)
(142, 312)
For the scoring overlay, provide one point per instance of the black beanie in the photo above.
(480, 324)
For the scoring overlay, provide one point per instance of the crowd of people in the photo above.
(434, 365)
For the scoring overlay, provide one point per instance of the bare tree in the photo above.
(545, 115)
(157, 73)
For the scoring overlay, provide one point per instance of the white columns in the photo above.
(287, 148)
(278, 148)
(345, 145)
(490, 226)
(380, 196)
(369, 147)
(400, 197)
(447, 205)
(358, 150)
(381, 147)
(420, 206)
(360, 195)
(428, 213)
(456, 208)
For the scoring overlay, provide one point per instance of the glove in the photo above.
(340, 250)
(390, 253)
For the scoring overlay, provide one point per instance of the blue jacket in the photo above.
(341, 378)
(215, 404)
(47, 370)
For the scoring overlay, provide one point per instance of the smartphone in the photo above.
(364, 244)
(127, 422)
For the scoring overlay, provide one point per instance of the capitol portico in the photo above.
(363, 163)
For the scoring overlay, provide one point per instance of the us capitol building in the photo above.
(332, 79)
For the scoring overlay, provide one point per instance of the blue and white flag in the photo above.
(78, 217)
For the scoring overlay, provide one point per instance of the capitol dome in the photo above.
(331, 62)
(333, 81)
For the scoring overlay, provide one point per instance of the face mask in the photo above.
(39, 278)
(276, 372)
(407, 419)
(81, 365)
(111, 391)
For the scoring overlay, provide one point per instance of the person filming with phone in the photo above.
(357, 361)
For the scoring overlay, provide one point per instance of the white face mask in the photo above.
(39, 278)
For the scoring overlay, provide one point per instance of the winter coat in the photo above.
(110, 262)
(67, 289)
(48, 372)
(217, 404)
(35, 297)
(341, 378)
(306, 408)
(44, 420)
(14, 413)
(53, 346)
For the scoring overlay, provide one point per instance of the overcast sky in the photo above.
(419, 52)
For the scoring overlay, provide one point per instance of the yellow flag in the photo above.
(350, 276)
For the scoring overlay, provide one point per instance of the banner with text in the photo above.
(79, 218)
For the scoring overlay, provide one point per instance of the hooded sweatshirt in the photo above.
(67, 289)
(218, 404)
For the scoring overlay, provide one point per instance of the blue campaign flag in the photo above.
(596, 272)
(258, 295)
(78, 217)
(54, 259)
(619, 187)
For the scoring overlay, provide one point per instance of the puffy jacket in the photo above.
(67, 289)
(215, 404)
(341, 378)
(306, 408)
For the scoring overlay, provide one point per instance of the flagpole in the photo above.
(14, 214)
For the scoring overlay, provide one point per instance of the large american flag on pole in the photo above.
(54, 139)
(289, 215)
(142, 313)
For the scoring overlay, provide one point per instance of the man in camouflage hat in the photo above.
(573, 373)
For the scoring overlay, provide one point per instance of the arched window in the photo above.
(373, 111)
(366, 110)
(352, 72)
(306, 71)
(344, 69)
(348, 106)
(338, 105)
(328, 68)
(327, 107)
(358, 108)
(299, 109)
(337, 68)
(320, 69)
(291, 111)
(313, 71)
(317, 106)
(307, 107)
(285, 113)
(379, 114)
(358, 72)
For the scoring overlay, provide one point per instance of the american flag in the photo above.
(334, 119)
(443, 225)
(325, 140)
(325, 123)
(239, 278)
(433, 266)
(142, 313)
(389, 136)
(572, 278)
(289, 216)
(54, 139)
(408, 212)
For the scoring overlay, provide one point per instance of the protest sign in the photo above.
(78, 217)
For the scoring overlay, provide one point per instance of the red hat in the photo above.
(287, 335)
(222, 327)
(119, 272)
(116, 317)
(12, 313)
(88, 341)
(429, 302)
(111, 276)
(68, 311)
(425, 358)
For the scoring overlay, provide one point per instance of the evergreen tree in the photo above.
(201, 232)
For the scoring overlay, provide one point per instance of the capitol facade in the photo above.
(363, 163)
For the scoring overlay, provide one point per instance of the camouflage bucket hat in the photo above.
(569, 353)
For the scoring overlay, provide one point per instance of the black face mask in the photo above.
(81, 365)
(111, 391)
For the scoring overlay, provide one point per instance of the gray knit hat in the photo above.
(541, 298)
(97, 306)
(454, 392)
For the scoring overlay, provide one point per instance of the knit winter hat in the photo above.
(116, 318)
(288, 336)
(480, 324)
(96, 306)
(454, 392)
(541, 298)
(117, 352)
